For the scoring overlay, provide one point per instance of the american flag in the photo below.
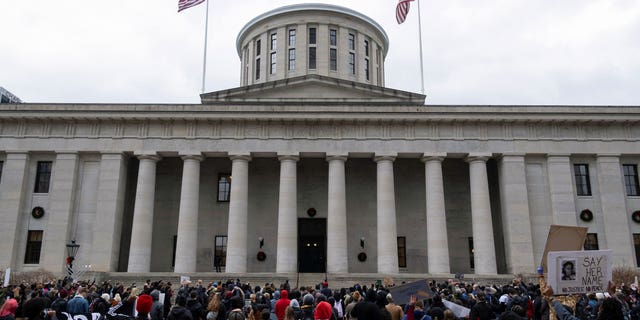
(402, 9)
(186, 4)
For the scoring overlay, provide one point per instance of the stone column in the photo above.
(337, 261)
(187, 240)
(107, 229)
(386, 217)
(12, 190)
(238, 216)
(142, 226)
(484, 247)
(561, 189)
(437, 243)
(614, 208)
(287, 252)
(61, 212)
(516, 222)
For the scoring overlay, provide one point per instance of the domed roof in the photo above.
(310, 7)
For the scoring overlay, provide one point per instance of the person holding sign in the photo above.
(610, 309)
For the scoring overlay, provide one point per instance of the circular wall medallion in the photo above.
(37, 212)
(362, 257)
(311, 212)
(261, 256)
(635, 216)
(586, 215)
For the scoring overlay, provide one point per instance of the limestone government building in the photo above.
(313, 162)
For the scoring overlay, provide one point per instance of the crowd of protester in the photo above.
(234, 300)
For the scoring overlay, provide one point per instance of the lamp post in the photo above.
(72, 249)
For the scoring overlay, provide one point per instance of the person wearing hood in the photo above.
(143, 306)
(194, 305)
(307, 306)
(179, 310)
(282, 304)
(276, 297)
(8, 310)
(324, 311)
(157, 309)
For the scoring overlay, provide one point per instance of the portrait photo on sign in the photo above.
(568, 270)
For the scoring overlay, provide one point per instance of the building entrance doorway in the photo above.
(312, 245)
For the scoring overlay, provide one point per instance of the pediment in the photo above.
(312, 89)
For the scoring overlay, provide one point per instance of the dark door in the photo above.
(312, 245)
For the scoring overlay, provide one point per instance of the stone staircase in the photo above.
(301, 279)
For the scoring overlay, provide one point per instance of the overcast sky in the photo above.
(475, 52)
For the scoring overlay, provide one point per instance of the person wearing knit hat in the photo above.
(143, 306)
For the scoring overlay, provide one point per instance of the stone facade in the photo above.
(418, 188)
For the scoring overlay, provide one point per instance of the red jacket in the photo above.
(282, 304)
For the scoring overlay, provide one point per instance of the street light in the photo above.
(72, 249)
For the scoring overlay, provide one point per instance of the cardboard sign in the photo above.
(577, 272)
(402, 294)
(563, 238)
(458, 310)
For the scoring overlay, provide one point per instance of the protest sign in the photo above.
(401, 294)
(458, 310)
(563, 238)
(184, 280)
(7, 276)
(577, 272)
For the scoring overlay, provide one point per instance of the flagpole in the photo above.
(420, 35)
(204, 59)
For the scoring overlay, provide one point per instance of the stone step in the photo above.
(302, 279)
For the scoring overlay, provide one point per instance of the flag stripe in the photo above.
(186, 4)
(402, 9)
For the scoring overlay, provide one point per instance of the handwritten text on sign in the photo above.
(574, 272)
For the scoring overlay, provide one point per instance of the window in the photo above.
(292, 59)
(257, 68)
(4, 99)
(224, 187)
(43, 177)
(312, 35)
(221, 250)
(366, 68)
(258, 46)
(292, 37)
(402, 252)
(1, 165)
(352, 41)
(272, 58)
(34, 244)
(472, 262)
(274, 43)
(591, 242)
(366, 48)
(583, 186)
(312, 57)
(333, 59)
(631, 179)
(332, 37)
(636, 245)
(352, 63)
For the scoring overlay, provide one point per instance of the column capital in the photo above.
(341, 157)
(197, 157)
(384, 158)
(438, 156)
(288, 157)
(608, 155)
(558, 155)
(471, 157)
(511, 156)
(148, 156)
(240, 156)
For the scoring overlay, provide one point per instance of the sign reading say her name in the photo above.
(576, 272)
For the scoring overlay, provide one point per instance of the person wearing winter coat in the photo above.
(179, 310)
(8, 311)
(157, 308)
(282, 304)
